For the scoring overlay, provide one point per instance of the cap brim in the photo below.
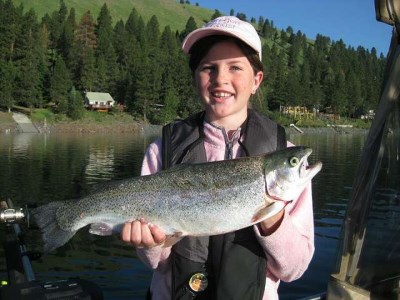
(200, 33)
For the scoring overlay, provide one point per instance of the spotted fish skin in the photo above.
(189, 199)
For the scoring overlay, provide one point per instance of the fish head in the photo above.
(287, 172)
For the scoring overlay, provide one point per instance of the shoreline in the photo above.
(9, 126)
(136, 127)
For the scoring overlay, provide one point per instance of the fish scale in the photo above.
(189, 199)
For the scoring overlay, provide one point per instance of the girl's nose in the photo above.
(221, 76)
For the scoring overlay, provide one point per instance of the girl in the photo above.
(225, 59)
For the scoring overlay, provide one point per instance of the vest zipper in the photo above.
(229, 142)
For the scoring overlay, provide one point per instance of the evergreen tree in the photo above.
(132, 22)
(120, 42)
(168, 111)
(260, 24)
(353, 90)
(66, 40)
(153, 34)
(105, 52)
(88, 71)
(267, 30)
(7, 75)
(28, 58)
(279, 95)
(241, 16)
(76, 109)
(339, 96)
(190, 26)
(85, 33)
(305, 85)
(60, 85)
(83, 52)
(216, 14)
(293, 88)
(9, 21)
(168, 42)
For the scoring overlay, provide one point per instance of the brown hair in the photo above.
(202, 46)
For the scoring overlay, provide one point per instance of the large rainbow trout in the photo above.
(189, 199)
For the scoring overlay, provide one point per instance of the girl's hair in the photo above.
(200, 49)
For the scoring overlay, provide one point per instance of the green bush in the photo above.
(42, 114)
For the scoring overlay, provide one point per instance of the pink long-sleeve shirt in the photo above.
(288, 250)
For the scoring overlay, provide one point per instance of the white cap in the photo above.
(226, 25)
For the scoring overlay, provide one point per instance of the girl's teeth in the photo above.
(220, 95)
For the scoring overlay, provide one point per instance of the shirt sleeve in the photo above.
(290, 248)
(155, 257)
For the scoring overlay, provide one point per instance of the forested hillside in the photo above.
(53, 59)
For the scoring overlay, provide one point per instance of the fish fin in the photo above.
(268, 211)
(261, 214)
(172, 239)
(52, 234)
(102, 229)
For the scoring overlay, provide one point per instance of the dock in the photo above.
(25, 124)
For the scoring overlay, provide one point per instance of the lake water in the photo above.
(37, 169)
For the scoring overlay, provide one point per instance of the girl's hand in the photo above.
(142, 234)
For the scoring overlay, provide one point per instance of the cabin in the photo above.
(297, 111)
(102, 102)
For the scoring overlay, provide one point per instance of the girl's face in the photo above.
(225, 81)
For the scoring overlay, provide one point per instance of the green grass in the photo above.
(6, 118)
(285, 120)
(168, 12)
(42, 115)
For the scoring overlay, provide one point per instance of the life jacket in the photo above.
(226, 266)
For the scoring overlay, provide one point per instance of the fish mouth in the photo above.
(310, 169)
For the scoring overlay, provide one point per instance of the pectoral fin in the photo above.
(262, 214)
(270, 209)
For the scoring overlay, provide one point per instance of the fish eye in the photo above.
(293, 161)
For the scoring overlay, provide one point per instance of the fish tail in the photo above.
(52, 234)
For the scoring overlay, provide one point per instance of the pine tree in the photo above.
(66, 40)
(216, 14)
(153, 34)
(76, 109)
(60, 85)
(190, 26)
(7, 75)
(9, 21)
(28, 58)
(88, 71)
(85, 33)
(105, 52)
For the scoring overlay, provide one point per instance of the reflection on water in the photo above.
(42, 168)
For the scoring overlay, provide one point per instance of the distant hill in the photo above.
(168, 12)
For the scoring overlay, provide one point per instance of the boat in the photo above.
(368, 256)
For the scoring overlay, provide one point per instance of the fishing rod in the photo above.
(21, 282)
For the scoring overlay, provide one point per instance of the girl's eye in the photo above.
(207, 68)
(235, 68)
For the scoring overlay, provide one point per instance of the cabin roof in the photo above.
(101, 97)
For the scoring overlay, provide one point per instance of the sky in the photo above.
(353, 21)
